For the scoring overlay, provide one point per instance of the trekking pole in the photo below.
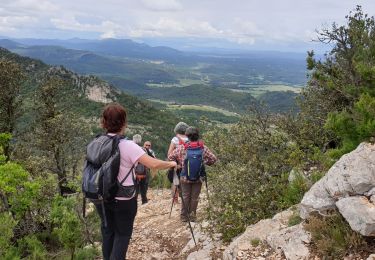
(208, 196)
(158, 183)
(188, 215)
(174, 195)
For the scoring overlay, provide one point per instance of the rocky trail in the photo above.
(156, 236)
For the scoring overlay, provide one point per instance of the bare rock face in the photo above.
(353, 174)
(360, 214)
(258, 231)
(292, 240)
(203, 254)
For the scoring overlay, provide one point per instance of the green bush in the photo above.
(68, 226)
(353, 126)
(294, 219)
(86, 253)
(7, 224)
(241, 195)
(293, 192)
(33, 248)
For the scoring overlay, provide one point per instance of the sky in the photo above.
(238, 24)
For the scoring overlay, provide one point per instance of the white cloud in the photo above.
(166, 27)
(162, 5)
(106, 28)
(11, 23)
(30, 6)
(247, 22)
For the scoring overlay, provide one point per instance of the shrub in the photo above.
(294, 219)
(33, 248)
(241, 195)
(255, 242)
(332, 236)
(292, 193)
(68, 226)
(7, 224)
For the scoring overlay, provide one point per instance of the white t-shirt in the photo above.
(176, 141)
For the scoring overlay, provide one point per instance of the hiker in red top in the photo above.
(191, 158)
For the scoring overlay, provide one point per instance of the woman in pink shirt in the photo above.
(121, 212)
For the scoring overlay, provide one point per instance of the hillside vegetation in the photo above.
(266, 161)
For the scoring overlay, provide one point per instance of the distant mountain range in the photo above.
(112, 47)
(164, 73)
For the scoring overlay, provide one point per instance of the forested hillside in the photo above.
(151, 72)
(84, 96)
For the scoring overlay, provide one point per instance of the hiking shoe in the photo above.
(144, 202)
(193, 217)
(184, 219)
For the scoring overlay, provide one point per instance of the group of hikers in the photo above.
(117, 169)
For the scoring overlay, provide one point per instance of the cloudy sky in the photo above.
(247, 24)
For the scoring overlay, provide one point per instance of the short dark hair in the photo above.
(192, 133)
(113, 118)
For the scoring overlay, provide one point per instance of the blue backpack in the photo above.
(193, 163)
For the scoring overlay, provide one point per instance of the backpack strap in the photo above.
(127, 175)
(196, 144)
(116, 142)
(180, 140)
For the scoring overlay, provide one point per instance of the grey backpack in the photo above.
(102, 164)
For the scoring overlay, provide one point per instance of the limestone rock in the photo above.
(292, 240)
(353, 174)
(316, 199)
(203, 254)
(371, 257)
(259, 231)
(360, 214)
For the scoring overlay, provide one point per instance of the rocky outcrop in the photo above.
(291, 240)
(360, 214)
(350, 180)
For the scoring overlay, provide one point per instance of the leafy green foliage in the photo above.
(6, 228)
(33, 248)
(355, 126)
(68, 226)
(341, 88)
(292, 193)
(13, 179)
(11, 78)
(250, 181)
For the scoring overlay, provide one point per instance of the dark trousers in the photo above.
(142, 188)
(190, 194)
(120, 216)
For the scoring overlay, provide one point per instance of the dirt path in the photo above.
(155, 235)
